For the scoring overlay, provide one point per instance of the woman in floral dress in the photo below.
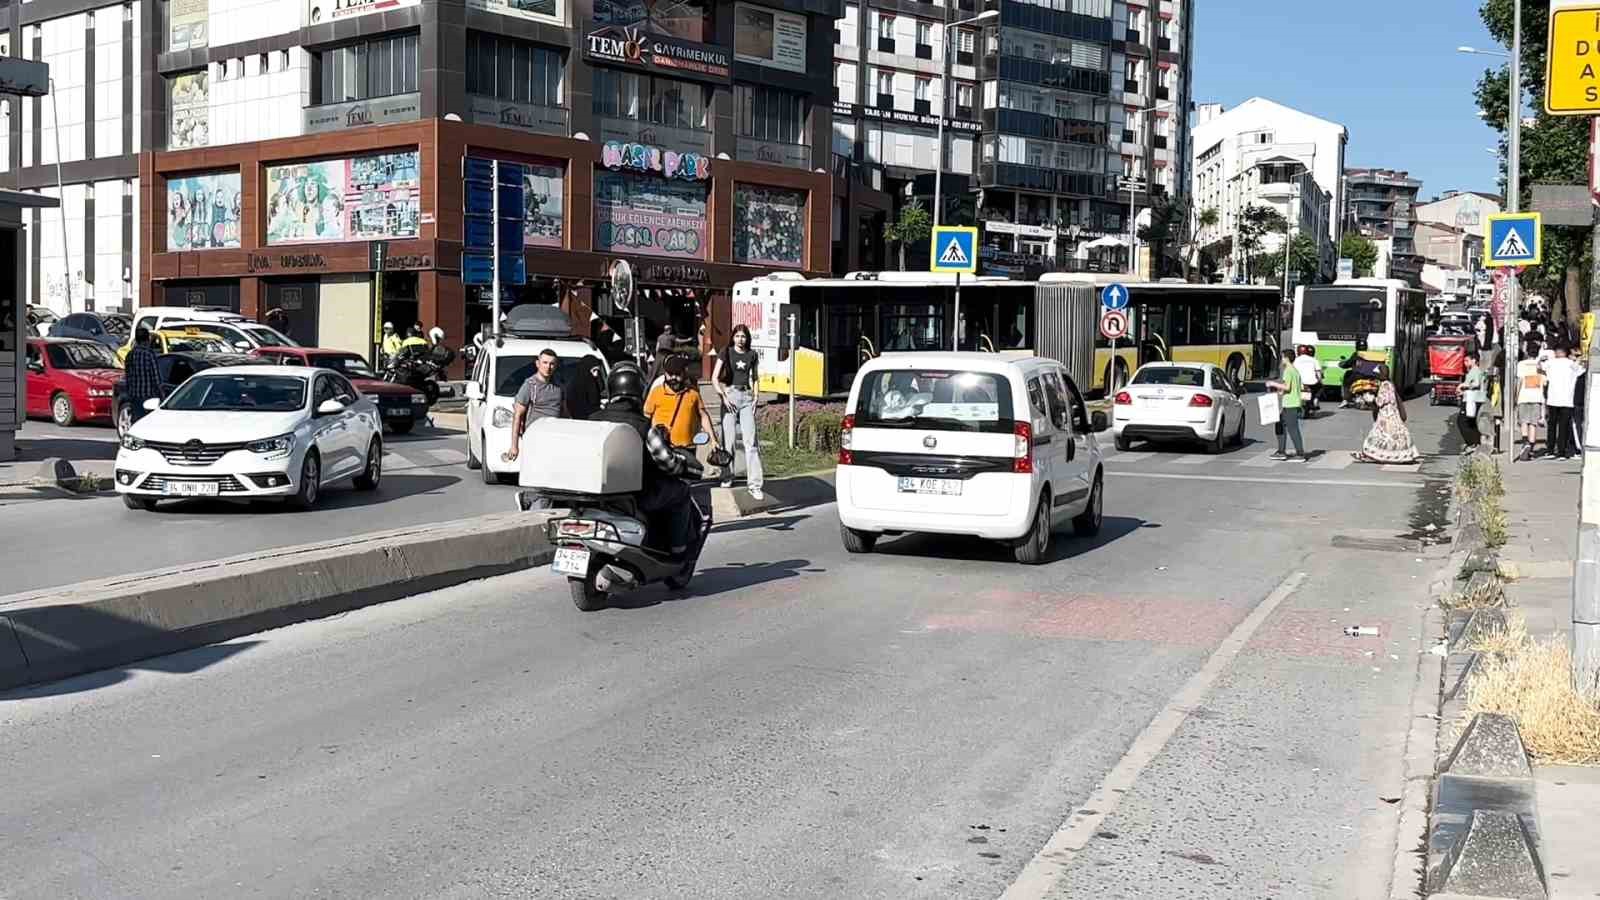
(1389, 441)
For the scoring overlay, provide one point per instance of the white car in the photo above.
(500, 372)
(249, 432)
(238, 331)
(1179, 402)
(974, 444)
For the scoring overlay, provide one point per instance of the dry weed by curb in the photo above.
(1504, 641)
(1489, 594)
(1533, 685)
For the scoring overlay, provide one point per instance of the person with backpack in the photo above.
(736, 379)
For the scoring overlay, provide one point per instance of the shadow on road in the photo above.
(67, 448)
(1062, 547)
(394, 487)
(775, 523)
(720, 580)
(186, 662)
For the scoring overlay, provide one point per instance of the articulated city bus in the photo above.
(1387, 315)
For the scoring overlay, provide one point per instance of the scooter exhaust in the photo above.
(613, 577)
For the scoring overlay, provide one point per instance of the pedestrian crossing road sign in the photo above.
(1513, 239)
(955, 249)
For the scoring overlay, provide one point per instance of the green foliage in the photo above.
(1360, 251)
(1303, 260)
(1254, 223)
(913, 226)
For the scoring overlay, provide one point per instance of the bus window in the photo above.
(1203, 324)
(1014, 326)
(1235, 325)
(1155, 321)
(1178, 325)
(907, 326)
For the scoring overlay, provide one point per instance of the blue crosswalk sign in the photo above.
(1513, 239)
(1114, 296)
(955, 249)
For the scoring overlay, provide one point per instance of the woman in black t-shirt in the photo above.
(737, 379)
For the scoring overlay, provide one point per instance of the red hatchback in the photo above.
(71, 380)
(401, 407)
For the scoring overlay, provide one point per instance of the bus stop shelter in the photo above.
(14, 315)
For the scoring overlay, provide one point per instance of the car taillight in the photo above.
(1022, 449)
(1123, 398)
(846, 429)
(1203, 400)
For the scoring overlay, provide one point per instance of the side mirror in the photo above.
(329, 408)
(243, 346)
(474, 391)
(35, 367)
(1099, 422)
(152, 405)
(702, 439)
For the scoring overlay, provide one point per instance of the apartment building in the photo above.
(1262, 153)
(1381, 205)
(1050, 104)
(272, 154)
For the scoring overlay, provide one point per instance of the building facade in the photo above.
(1466, 210)
(1049, 105)
(1381, 204)
(294, 147)
(1265, 154)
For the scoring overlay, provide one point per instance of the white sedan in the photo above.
(1179, 402)
(250, 432)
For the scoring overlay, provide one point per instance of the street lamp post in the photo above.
(944, 104)
(1132, 183)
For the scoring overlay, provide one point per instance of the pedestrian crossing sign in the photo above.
(955, 249)
(1513, 239)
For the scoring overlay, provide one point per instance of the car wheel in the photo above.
(124, 419)
(144, 503)
(372, 473)
(857, 541)
(61, 411)
(1215, 445)
(1238, 434)
(1087, 523)
(585, 595)
(430, 389)
(1124, 444)
(489, 477)
(473, 462)
(1031, 548)
(310, 487)
(402, 426)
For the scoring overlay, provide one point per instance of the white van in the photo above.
(976, 444)
(238, 331)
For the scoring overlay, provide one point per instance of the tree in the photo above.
(914, 225)
(1169, 224)
(1303, 261)
(1360, 251)
(1207, 218)
(1254, 223)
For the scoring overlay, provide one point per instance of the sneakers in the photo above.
(727, 482)
(1278, 457)
(757, 494)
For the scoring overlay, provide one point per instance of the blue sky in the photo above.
(1387, 70)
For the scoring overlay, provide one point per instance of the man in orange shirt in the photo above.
(676, 404)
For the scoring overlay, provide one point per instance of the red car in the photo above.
(401, 406)
(71, 380)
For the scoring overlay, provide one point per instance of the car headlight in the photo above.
(99, 392)
(129, 442)
(419, 400)
(501, 417)
(283, 443)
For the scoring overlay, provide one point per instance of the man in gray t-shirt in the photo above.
(538, 398)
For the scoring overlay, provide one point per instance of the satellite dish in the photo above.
(622, 285)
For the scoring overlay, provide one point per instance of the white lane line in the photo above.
(1193, 459)
(1040, 876)
(1130, 456)
(1408, 485)
(1261, 460)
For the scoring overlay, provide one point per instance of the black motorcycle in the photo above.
(417, 369)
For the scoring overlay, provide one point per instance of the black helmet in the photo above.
(625, 381)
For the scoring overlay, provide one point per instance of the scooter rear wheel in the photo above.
(585, 595)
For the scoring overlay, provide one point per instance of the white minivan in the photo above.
(975, 444)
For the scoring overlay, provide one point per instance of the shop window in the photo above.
(380, 67)
(769, 114)
(516, 71)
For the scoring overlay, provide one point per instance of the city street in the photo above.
(1176, 697)
(78, 538)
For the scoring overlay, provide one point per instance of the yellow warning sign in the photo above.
(1572, 70)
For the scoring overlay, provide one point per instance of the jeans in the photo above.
(739, 419)
(1560, 431)
(1289, 427)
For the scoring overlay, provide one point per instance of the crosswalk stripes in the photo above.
(1193, 459)
(1261, 461)
(1333, 460)
(1130, 457)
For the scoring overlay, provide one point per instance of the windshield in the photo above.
(117, 325)
(1343, 314)
(347, 364)
(937, 400)
(1177, 376)
(197, 343)
(81, 356)
(512, 371)
(239, 393)
(269, 337)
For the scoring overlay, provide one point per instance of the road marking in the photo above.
(1261, 461)
(1333, 460)
(1193, 459)
(1408, 485)
(1131, 456)
(1040, 876)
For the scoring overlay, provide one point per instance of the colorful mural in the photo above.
(203, 211)
(358, 199)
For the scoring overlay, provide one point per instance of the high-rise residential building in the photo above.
(274, 153)
(1049, 105)
(1265, 154)
(1381, 205)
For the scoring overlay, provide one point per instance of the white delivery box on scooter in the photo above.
(580, 457)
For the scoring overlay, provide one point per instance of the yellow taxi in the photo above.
(179, 340)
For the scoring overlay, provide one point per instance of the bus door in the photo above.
(1153, 333)
(848, 341)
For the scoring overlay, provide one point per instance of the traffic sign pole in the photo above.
(494, 280)
(955, 332)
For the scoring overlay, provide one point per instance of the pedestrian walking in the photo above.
(581, 395)
(1561, 385)
(539, 397)
(1311, 376)
(665, 344)
(143, 378)
(736, 378)
(1530, 398)
(1389, 441)
(1288, 427)
(676, 403)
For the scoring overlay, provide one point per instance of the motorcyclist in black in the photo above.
(663, 497)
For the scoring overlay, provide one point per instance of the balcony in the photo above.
(885, 44)
(964, 58)
(1130, 86)
(924, 51)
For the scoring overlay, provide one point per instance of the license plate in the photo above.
(947, 487)
(192, 488)
(571, 561)
(396, 413)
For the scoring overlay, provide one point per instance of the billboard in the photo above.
(671, 38)
(536, 10)
(203, 211)
(769, 226)
(356, 199)
(186, 24)
(769, 38)
(321, 12)
(544, 186)
(650, 216)
(189, 99)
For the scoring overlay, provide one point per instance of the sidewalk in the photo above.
(1541, 503)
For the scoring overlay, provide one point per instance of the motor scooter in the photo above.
(602, 542)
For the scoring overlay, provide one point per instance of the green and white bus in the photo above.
(1389, 315)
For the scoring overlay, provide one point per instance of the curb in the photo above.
(55, 633)
(60, 473)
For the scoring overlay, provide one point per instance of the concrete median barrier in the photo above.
(54, 633)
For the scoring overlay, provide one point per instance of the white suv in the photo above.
(238, 331)
(500, 371)
(968, 443)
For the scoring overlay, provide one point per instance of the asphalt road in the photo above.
(920, 722)
(68, 539)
